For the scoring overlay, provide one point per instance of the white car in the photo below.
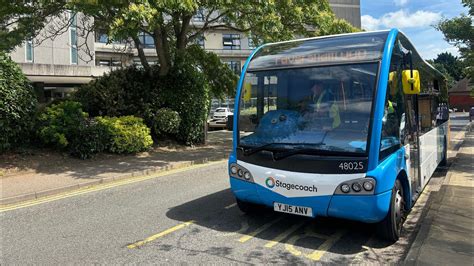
(219, 118)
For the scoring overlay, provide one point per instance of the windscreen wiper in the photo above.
(252, 150)
(282, 155)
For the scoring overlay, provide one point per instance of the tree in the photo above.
(442, 68)
(21, 20)
(460, 32)
(171, 24)
(451, 64)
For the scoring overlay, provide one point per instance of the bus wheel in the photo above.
(390, 227)
(247, 207)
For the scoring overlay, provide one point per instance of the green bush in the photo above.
(89, 138)
(17, 104)
(59, 123)
(135, 92)
(187, 93)
(165, 122)
(128, 134)
(121, 92)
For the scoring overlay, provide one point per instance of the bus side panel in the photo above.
(431, 152)
(367, 209)
(387, 171)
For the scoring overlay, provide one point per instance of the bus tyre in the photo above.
(247, 207)
(390, 227)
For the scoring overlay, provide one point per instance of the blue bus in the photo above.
(350, 126)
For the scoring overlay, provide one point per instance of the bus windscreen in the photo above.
(323, 108)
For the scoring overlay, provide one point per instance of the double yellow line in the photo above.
(99, 187)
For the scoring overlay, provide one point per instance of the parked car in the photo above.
(219, 118)
(471, 114)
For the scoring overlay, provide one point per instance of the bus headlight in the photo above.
(359, 186)
(356, 187)
(239, 172)
(368, 186)
(345, 188)
(247, 175)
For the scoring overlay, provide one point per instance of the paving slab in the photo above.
(446, 236)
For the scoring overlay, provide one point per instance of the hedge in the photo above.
(17, 105)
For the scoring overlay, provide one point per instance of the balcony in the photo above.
(242, 53)
(62, 74)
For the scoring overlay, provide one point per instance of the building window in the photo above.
(101, 36)
(200, 41)
(73, 39)
(30, 53)
(110, 62)
(231, 41)
(234, 66)
(146, 40)
(199, 16)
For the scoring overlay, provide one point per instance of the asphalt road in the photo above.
(186, 217)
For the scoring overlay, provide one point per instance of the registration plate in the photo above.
(298, 210)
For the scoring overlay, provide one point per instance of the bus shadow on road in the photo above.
(218, 213)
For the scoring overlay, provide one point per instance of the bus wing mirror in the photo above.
(411, 81)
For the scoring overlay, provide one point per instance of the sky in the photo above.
(415, 18)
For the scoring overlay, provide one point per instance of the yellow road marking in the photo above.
(259, 230)
(99, 187)
(283, 235)
(230, 206)
(290, 245)
(154, 237)
(244, 226)
(319, 253)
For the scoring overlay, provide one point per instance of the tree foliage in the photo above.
(452, 64)
(459, 31)
(17, 104)
(171, 24)
(21, 20)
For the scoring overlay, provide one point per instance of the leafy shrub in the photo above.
(128, 134)
(188, 93)
(17, 104)
(135, 92)
(165, 121)
(89, 138)
(59, 123)
(121, 92)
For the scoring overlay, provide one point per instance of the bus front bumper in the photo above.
(364, 208)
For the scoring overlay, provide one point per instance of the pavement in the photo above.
(189, 216)
(41, 174)
(446, 236)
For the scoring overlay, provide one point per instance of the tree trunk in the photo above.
(141, 54)
(181, 34)
(162, 50)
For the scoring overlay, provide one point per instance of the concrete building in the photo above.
(56, 66)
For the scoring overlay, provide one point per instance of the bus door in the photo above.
(411, 136)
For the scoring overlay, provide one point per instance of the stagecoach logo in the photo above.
(270, 182)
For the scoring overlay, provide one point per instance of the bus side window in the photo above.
(394, 120)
